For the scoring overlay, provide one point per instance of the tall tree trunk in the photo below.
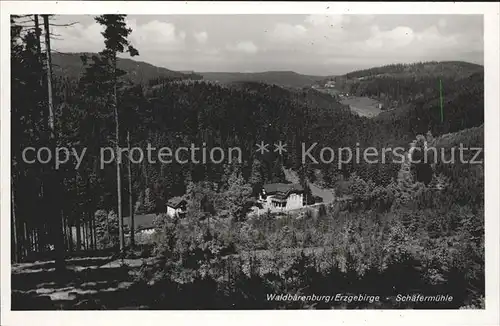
(55, 184)
(78, 233)
(25, 240)
(95, 229)
(84, 231)
(131, 204)
(30, 240)
(91, 230)
(69, 230)
(90, 215)
(49, 77)
(37, 239)
(41, 237)
(87, 235)
(107, 228)
(38, 33)
(63, 224)
(118, 158)
(87, 228)
(67, 233)
(145, 174)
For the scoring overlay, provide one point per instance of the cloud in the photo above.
(152, 36)
(442, 22)
(156, 35)
(287, 32)
(432, 41)
(78, 38)
(201, 37)
(403, 44)
(245, 47)
(393, 39)
(328, 20)
(362, 19)
(431, 36)
(318, 34)
(359, 40)
(208, 51)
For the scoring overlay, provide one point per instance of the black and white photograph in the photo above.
(249, 160)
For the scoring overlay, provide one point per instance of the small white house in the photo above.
(330, 84)
(176, 207)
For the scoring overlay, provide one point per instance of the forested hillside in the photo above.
(280, 78)
(400, 84)
(395, 226)
(70, 65)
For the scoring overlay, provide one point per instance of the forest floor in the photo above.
(87, 283)
(99, 283)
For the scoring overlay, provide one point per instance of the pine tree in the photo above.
(256, 180)
(237, 195)
(149, 201)
(115, 35)
(55, 183)
(130, 194)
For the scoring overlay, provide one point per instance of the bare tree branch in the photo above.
(65, 25)
(25, 21)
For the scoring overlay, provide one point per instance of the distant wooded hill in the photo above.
(457, 69)
(416, 95)
(398, 84)
(280, 78)
(70, 65)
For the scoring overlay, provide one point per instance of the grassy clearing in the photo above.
(364, 106)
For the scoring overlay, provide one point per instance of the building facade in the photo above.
(277, 197)
(176, 207)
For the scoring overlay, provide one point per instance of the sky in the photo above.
(308, 44)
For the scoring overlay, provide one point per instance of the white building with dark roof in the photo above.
(176, 207)
(281, 197)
